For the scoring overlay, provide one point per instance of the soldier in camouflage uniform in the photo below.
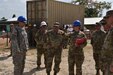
(40, 39)
(34, 30)
(54, 51)
(19, 43)
(97, 41)
(77, 41)
(11, 29)
(107, 49)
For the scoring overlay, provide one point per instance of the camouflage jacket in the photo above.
(19, 40)
(97, 39)
(34, 30)
(41, 37)
(107, 49)
(55, 39)
(73, 37)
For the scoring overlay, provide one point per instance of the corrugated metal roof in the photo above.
(12, 19)
(9, 21)
(90, 21)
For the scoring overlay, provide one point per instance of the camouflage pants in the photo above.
(75, 58)
(65, 42)
(107, 68)
(19, 62)
(96, 57)
(53, 53)
(40, 51)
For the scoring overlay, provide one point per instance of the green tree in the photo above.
(93, 8)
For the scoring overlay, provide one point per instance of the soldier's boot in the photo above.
(103, 73)
(38, 66)
(55, 73)
(78, 72)
(48, 73)
(97, 72)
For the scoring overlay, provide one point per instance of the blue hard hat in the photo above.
(21, 19)
(76, 23)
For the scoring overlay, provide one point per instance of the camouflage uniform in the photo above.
(97, 41)
(75, 54)
(54, 42)
(19, 45)
(11, 29)
(65, 41)
(34, 30)
(40, 39)
(10, 44)
(107, 53)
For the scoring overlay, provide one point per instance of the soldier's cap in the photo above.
(108, 14)
(56, 24)
(21, 19)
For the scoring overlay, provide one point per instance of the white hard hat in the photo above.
(43, 23)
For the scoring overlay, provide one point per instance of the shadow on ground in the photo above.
(31, 72)
(4, 58)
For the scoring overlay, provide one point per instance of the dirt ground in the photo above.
(6, 66)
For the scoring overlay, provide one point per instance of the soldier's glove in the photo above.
(61, 32)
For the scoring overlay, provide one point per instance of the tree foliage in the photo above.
(93, 8)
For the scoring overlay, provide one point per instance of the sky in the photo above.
(18, 7)
(10, 7)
